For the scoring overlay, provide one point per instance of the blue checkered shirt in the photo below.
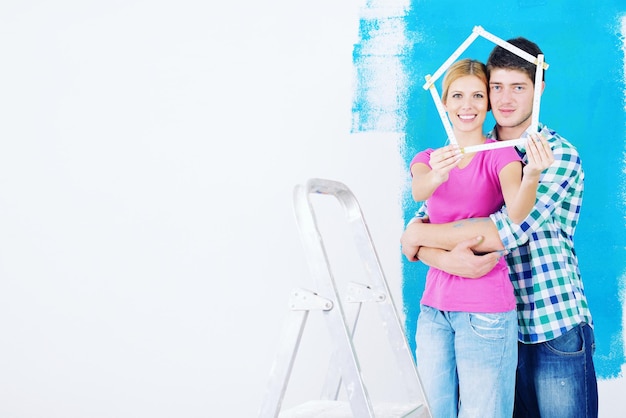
(542, 260)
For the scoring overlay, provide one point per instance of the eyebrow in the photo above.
(521, 83)
(460, 91)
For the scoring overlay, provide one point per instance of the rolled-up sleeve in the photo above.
(422, 212)
(553, 187)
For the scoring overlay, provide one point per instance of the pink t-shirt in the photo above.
(470, 192)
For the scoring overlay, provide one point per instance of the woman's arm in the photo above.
(519, 195)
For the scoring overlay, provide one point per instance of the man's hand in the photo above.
(461, 260)
(539, 155)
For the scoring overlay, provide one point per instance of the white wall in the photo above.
(148, 154)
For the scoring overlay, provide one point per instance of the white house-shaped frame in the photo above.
(476, 32)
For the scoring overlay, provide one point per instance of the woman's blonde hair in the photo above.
(463, 68)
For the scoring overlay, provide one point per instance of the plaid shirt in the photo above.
(542, 260)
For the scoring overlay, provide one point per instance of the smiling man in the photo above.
(555, 373)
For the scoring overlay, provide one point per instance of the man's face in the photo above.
(511, 95)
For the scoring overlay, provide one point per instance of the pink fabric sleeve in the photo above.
(421, 157)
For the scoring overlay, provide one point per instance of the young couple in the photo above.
(468, 355)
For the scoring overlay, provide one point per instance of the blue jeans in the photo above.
(557, 379)
(467, 361)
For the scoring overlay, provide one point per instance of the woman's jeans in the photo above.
(467, 362)
(557, 379)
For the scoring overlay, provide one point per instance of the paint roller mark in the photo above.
(379, 104)
(400, 42)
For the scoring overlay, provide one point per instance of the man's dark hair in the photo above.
(502, 58)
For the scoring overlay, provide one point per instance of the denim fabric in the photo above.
(467, 361)
(557, 379)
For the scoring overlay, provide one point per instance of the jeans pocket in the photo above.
(572, 342)
(488, 325)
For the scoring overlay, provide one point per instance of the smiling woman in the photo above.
(441, 177)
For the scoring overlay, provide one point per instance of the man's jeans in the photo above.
(467, 361)
(557, 379)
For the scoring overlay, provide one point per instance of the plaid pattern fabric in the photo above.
(542, 260)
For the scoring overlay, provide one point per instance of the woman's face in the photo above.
(467, 103)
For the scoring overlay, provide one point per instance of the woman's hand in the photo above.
(443, 160)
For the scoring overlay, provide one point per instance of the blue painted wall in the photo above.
(583, 101)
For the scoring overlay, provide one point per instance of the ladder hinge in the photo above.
(305, 300)
(358, 292)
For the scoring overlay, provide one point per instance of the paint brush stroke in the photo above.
(400, 43)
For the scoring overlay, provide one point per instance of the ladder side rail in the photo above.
(280, 373)
(387, 310)
(332, 384)
(337, 325)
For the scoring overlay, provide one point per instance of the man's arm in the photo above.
(560, 184)
(447, 236)
(430, 242)
(461, 260)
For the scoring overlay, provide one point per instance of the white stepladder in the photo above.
(341, 317)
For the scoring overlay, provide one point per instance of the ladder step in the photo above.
(339, 409)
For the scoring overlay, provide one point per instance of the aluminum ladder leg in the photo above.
(344, 369)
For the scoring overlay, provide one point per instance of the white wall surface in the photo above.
(148, 154)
